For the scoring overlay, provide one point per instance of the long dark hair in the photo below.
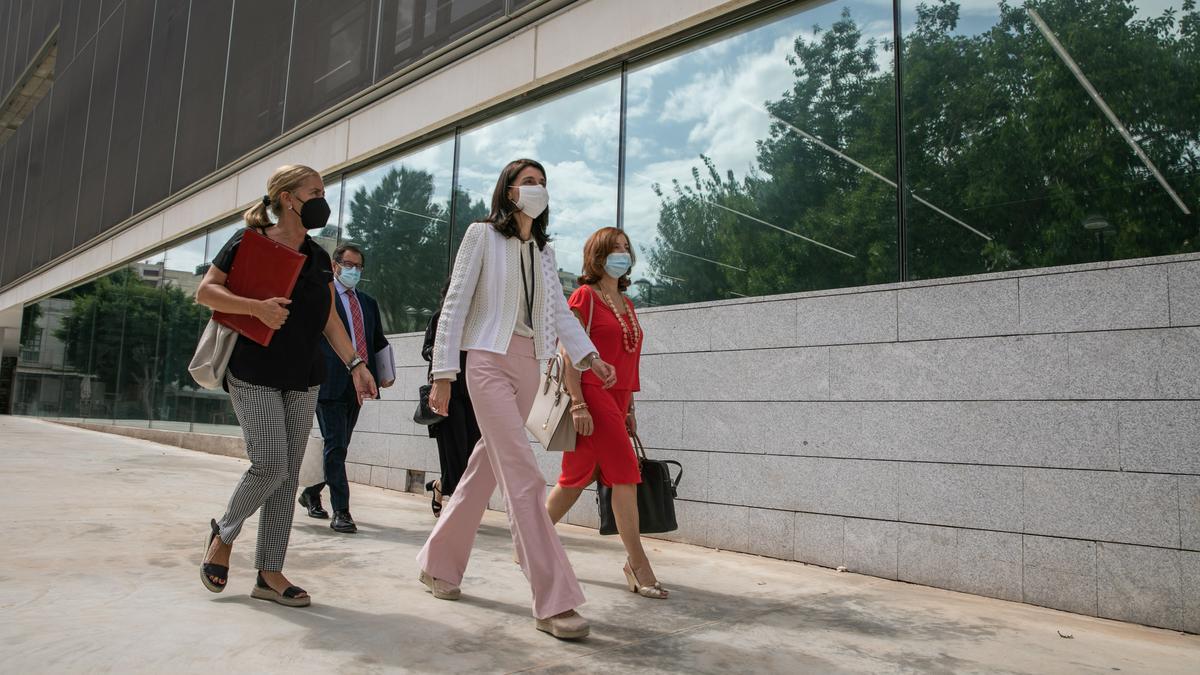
(503, 209)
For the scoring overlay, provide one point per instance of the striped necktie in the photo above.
(356, 321)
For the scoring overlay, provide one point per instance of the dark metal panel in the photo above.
(152, 175)
(67, 32)
(45, 15)
(5, 190)
(203, 80)
(75, 87)
(12, 40)
(257, 76)
(107, 7)
(51, 17)
(32, 213)
(99, 128)
(14, 264)
(51, 192)
(89, 22)
(410, 30)
(6, 29)
(127, 116)
(21, 45)
(333, 52)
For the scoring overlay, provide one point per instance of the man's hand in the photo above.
(364, 384)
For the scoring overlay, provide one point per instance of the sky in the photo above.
(706, 100)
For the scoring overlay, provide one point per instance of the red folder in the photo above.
(262, 268)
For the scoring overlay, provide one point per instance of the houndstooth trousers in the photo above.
(275, 424)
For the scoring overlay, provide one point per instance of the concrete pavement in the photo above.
(99, 573)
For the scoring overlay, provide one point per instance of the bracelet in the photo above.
(579, 406)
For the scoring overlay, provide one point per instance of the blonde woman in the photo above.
(505, 308)
(274, 388)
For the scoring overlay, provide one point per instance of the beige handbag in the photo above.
(212, 355)
(549, 420)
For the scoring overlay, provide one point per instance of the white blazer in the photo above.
(483, 301)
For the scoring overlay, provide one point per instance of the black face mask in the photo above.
(315, 213)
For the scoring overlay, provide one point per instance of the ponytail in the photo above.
(256, 216)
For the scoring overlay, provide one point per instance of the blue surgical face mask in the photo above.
(350, 276)
(617, 264)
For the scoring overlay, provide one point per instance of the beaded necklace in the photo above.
(631, 333)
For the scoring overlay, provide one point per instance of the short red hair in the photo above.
(596, 252)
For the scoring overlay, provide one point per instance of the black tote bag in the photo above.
(655, 496)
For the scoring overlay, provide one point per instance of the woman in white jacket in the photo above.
(505, 308)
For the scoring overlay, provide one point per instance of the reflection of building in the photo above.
(800, 274)
(44, 382)
(569, 281)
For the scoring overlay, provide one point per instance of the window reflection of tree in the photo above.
(118, 331)
(1006, 157)
(404, 229)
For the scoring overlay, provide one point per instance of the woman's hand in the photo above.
(583, 422)
(272, 312)
(606, 373)
(631, 423)
(439, 397)
(364, 383)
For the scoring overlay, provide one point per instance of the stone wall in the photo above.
(1030, 436)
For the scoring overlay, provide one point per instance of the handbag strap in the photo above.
(591, 311)
(641, 455)
(639, 448)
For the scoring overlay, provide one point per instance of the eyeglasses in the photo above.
(349, 264)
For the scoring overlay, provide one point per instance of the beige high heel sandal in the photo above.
(656, 592)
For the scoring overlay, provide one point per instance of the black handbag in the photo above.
(655, 496)
(423, 414)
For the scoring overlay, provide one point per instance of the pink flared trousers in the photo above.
(502, 388)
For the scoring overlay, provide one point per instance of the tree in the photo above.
(999, 137)
(132, 335)
(404, 233)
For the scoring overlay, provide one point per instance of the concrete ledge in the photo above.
(229, 446)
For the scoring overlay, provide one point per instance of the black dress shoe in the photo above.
(312, 502)
(342, 522)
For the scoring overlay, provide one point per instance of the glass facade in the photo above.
(793, 152)
(151, 96)
(1049, 133)
(116, 349)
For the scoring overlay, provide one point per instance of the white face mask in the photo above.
(532, 199)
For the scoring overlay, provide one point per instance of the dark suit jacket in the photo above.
(338, 385)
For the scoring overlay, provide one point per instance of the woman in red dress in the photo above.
(604, 418)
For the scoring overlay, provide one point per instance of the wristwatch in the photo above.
(354, 363)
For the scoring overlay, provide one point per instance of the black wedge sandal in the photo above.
(290, 597)
(434, 504)
(210, 571)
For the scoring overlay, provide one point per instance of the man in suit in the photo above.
(337, 403)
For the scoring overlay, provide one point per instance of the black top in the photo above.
(293, 359)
